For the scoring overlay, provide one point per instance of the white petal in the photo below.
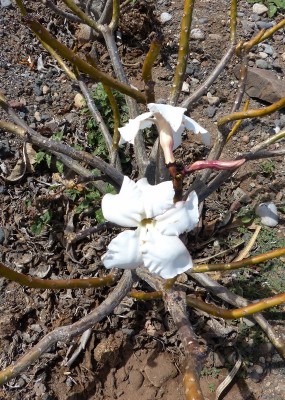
(124, 251)
(126, 208)
(182, 217)
(165, 255)
(156, 198)
(173, 115)
(196, 128)
(131, 129)
(177, 139)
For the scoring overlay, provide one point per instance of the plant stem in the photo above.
(182, 52)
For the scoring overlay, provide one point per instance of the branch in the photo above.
(238, 312)
(38, 283)
(182, 52)
(238, 301)
(67, 333)
(255, 260)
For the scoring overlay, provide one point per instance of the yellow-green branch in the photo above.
(183, 51)
(240, 264)
(261, 112)
(233, 22)
(38, 283)
(237, 312)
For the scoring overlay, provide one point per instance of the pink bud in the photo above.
(214, 164)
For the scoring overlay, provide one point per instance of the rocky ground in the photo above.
(135, 351)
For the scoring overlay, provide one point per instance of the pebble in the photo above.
(262, 55)
(266, 48)
(259, 9)
(212, 100)
(245, 139)
(197, 34)
(211, 111)
(262, 64)
(37, 116)
(79, 101)
(265, 25)
(45, 89)
(185, 87)
(165, 17)
(6, 3)
(268, 214)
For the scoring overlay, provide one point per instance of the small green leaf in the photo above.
(59, 166)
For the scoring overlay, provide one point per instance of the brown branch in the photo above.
(67, 333)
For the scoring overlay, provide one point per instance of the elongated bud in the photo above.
(214, 164)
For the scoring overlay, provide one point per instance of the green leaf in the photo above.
(40, 156)
(48, 160)
(99, 216)
(59, 166)
(272, 10)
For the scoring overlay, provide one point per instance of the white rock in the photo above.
(165, 17)
(267, 213)
(37, 116)
(259, 9)
(197, 34)
(79, 101)
(185, 87)
(45, 89)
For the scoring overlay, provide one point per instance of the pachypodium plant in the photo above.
(158, 217)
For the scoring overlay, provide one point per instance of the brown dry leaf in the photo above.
(23, 165)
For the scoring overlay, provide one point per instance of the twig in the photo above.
(64, 14)
(204, 87)
(147, 68)
(245, 252)
(56, 147)
(67, 333)
(82, 16)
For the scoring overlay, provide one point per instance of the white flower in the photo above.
(159, 222)
(170, 121)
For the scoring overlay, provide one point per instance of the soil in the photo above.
(136, 351)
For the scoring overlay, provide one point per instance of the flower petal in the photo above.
(196, 128)
(126, 208)
(165, 255)
(124, 251)
(156, 198)
(131, 129)
(173, 115)
(182, 217)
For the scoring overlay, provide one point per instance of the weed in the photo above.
(267, 167)
(43, 156)
(212, 372)
(94, 137)
(41, 222)
(212, 387)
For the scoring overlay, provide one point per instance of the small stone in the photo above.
(268, 214)
(37, 116)
(259, 9)
(185, 87)
(45, 89)
(165, 17)
(6, 3)
(266, 48)
(197, 34)
(262, 64)
(262, 55)
(245, 139)
(212, 100)
(211, 111)
(264, 24)
(79, 101)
